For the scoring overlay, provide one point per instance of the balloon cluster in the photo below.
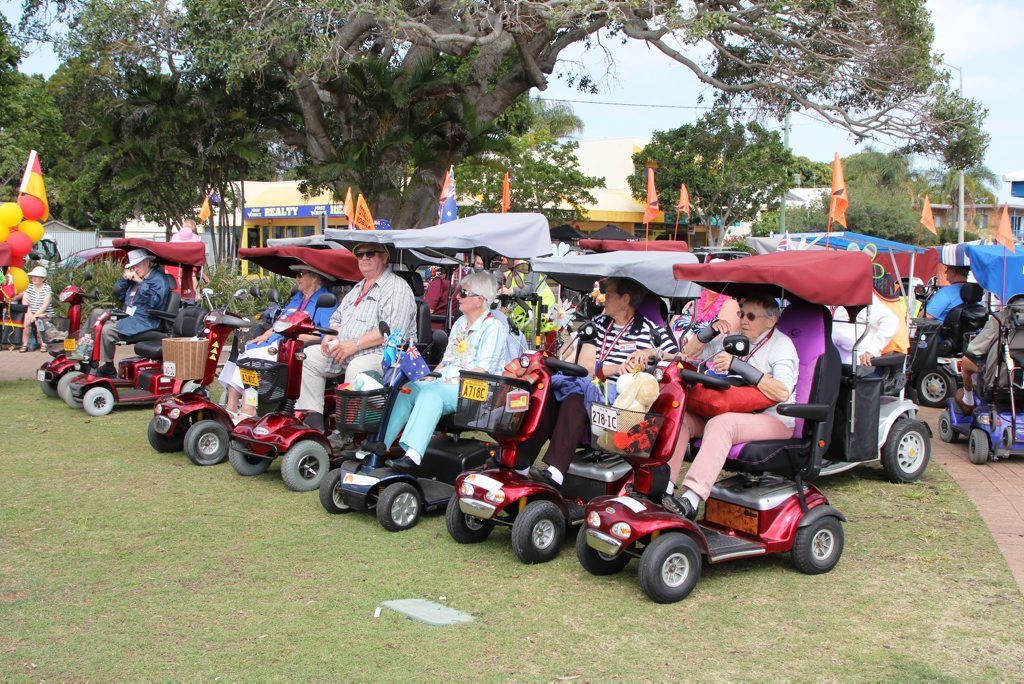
(20, 229)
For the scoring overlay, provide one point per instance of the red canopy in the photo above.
(634, 246)
(816, 276)
(340, 264)
(168, 253)
(926, 265)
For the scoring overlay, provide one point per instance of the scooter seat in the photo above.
(785, 457)
(150, 349)
(601, 471)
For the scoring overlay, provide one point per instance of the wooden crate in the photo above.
(184, 357)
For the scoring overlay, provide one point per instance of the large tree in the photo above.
(731, 170)
(864, 65)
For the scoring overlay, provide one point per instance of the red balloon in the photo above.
(18, 262)
(20, 243)
(32, 207)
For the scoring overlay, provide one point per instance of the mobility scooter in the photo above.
(537, 513)
(50, 373)
(196, 423)
(769, 507)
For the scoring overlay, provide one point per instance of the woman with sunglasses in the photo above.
(310, 287)
(478, 343)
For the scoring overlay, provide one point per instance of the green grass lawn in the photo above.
(120, 563)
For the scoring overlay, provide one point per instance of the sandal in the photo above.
(23, 349)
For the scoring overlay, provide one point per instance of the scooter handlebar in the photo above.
(709, 333)
(573, 370)
(693, 378)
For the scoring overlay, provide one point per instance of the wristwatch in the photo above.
(356, 343)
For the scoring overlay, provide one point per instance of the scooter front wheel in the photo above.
(398, 507)
(330, 493)
(595, 562)
(207, 443)
(538, 532)
(465, 529)
(99, 401)
(247, 465)
(906, 451)
(165, 444)
(64, 388)
(978, 447)
(304, 465)
(935, 388)
(48, 388)
(670, 568)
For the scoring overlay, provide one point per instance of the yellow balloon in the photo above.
(10, 214)
(19, 278)
(4, 232)
(34, 229)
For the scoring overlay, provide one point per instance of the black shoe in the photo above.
(402, 465)
(544, 477)
(680, 506)
(107, 370)
(379, 448)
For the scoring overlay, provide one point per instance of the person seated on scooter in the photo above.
(141, 288)
(772, 366)
(380, 296)
(265, 346)
(978, 350)
(948, 297)
(477, 343)
(870, 333)
(621, 333)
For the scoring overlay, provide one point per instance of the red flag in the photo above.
(927, 220)
(840, 200)
(506, 194)
(32, 193)
(684, 200)
(350, 207)
(1004, 234)
(652, 198)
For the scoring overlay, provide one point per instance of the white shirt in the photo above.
(878, 319)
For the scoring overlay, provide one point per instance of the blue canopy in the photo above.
(997, 269)
(843, 239)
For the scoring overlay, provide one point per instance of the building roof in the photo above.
(1014, 177)
(55, 226)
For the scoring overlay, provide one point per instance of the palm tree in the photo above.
(980, 187)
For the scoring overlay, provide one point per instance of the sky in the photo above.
(981, 37)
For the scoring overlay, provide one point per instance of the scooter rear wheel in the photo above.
(670, 568)
(165, 444)
(906, 451)
(207, 442)
(818, 547)
(538, 532)
(595, 562)
(48, 388)
(465, 529)
(935, 388)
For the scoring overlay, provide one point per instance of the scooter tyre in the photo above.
(818, 547)
(978, 448)
(538, 532)
(305, 465)
(247, 466)
(595, 562)
(946, 432)
(330, 493)
(64, 388)
(906, 435)
(465, 529)
(933, 399)
(670, 568)
(165, 444)
(48, 388)
(399, 507)
(98, 402)
(207, 443)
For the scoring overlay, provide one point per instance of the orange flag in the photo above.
(506, 194)
(840, 200)
(204, 211)
(684, 200)
(652, 198)
(349, 206)
(32, 186)
(1004, 234)
(927, 220)
(363, 219)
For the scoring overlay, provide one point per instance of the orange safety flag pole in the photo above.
(652, 203)
(927, 220)
(349, 207)
(32, 186)
(506, 194)
(839, 200)
(682, 205)
(363, 219)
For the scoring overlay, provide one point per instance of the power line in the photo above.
(638, 104)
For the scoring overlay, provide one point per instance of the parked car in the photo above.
(92, 255)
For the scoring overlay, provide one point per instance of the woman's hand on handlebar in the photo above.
(721, 362)
(640, 359)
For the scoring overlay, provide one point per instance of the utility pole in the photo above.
(960, 190)
(782, 207)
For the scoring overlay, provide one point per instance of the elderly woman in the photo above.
(265, 346)
(38, 297)
(477, 343)
(621, 333)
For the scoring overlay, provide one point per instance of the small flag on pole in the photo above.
(204, 211)
(447, 210)
(413, 366)
(652, 198)
(506, 194)
(32, 193)
(363, 220)
(839, 199)
(350, 207)
(927, 220)
(1004, 234)
(683, 206)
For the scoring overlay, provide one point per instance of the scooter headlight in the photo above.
(983, 419)
(622, 530)
(659, 374)
(524, 360)
(281, 326)
(497, 496)
(466, 489)
(174, 414)
(158, 409)
(593, 519)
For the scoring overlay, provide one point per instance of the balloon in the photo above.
(10, 214)
(4, 232)
(20, 243)
(32, 207)
(34, 230)
(19, 278)
(18, 262)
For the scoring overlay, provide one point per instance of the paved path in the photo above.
(997, 489)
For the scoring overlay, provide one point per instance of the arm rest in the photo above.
(888, 361)
(815, 412)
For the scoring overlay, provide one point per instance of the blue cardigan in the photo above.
(151, 293)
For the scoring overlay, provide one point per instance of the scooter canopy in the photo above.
(168, 253)
(653, 271)
(634, 246)
(337, 263)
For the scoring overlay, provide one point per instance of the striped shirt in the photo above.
(36, 297)
(389, 299)
(613, 345)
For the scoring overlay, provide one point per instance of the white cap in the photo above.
(137, 256)
(37, 272)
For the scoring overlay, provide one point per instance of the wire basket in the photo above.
(494, 404)
(360, 411)
(271, 376)
(623, 432)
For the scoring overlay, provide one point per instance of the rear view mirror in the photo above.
(737, 345)
(587, 332)
(326, 301)
(920, 291)
(255, 291)
(274, 296)
(87, 275)
(384, 329)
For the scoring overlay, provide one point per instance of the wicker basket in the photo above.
(184, 357)
(627, 433)
(494, 404)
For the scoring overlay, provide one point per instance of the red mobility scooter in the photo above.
(769, 507)
(51, 372)
(193, 421)
(140, 379)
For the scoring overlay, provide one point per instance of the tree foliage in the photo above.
(864, 65)
(731, 169)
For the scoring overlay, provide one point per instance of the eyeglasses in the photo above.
(749, 315)
(299, 274)
(465, 294)
(366, 254)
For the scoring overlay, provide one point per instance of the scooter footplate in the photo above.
(723, 547)
(436, 493)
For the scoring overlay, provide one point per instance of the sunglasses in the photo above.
(465, 294)
(366, 254)
(749, 315)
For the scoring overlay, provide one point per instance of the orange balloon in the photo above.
(34, 230)
(19, 279)
(10, 214)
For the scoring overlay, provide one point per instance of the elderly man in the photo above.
(379, 296)
(141, 288)
(943, 301)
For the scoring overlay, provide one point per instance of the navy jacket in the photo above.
(151, 293)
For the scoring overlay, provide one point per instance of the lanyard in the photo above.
(759, 345)
(603, 354)
(362, 295)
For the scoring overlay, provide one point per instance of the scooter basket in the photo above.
(360, 411)
(494, 404)
(272, 376)
(623, 432)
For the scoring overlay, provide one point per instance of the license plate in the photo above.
(250, 378)
(474, 390)
(604, 417)
(70, 344)
(730, 515)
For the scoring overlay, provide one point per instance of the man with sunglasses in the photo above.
(380, 296)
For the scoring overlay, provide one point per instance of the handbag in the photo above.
(708, 402)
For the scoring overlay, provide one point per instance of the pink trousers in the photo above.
(718, 435)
